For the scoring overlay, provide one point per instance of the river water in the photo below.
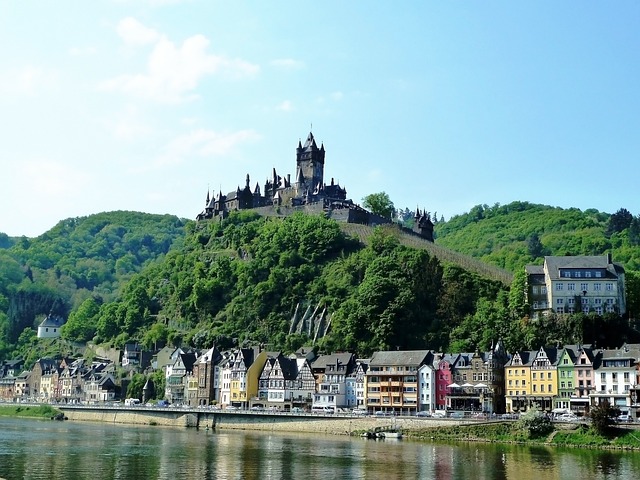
(45, 449)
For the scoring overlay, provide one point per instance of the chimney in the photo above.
(609, 258)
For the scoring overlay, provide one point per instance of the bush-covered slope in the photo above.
(511, 236)
(80, 258)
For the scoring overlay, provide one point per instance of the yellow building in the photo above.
(517, 380)
(246, 365)
(544, 379)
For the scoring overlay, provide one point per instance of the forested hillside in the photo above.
(511, 236)
(80, 258)
(243, 280)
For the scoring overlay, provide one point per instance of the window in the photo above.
(584, 287)
(560, 310)
(571, 301)
(597, 287)
(559, 286)
(533, 375)
(598, 301)
(571, 286)
(534, 290)
(535, 305)
(542, 388)
(598, 274)
(608, 286)
(543, 290)
(587, 274)
(577, 274)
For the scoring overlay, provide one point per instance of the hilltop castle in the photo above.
(307, 192)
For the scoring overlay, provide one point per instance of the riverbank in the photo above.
(575, 435)
(39, 411)
(562, 435)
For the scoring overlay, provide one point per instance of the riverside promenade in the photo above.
(333, 424)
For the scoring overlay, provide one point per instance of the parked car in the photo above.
(624, 418)
(231, 408)
(297, 410)
(567, 417)
(423, 413)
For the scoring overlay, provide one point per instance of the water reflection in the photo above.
(61, 450)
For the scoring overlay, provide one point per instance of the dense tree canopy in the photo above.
(243, 279)
(380, 204)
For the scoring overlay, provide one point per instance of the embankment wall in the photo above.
(243, 421)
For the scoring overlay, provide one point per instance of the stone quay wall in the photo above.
(304, 423)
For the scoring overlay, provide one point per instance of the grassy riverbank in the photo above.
(580, 436)
(40, 411)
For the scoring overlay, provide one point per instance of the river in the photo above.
(45, 449)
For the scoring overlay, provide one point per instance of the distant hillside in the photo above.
(79, 258)
(511, 236)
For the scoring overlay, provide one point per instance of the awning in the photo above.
(480, 385)
(466, 385)
(453, 385)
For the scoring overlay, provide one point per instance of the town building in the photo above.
(331, 372)
(50, 326)
(392, 381)
(575, 284)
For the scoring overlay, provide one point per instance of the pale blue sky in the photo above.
(142, 105)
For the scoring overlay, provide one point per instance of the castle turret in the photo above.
(310, 161)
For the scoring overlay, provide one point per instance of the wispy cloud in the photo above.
(202, 143)
(134, 33)
(285, 106)
(173, 72)
(333, 96)
(287, 63)
(50, 178)
(129, 125)
(82, 51)
(28, 80)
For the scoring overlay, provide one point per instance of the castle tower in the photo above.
(310, 163)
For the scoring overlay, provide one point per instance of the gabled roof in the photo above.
(600, 262)
(52, 321)
(397, 357)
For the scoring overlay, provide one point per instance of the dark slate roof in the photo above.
(554, 264)
(289, 367)
(334, 359)
(53, 321)
(534, 269)
(397, 357)
(188, 359)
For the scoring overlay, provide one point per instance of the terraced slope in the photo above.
(364, 232)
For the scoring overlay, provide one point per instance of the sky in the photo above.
(145, 105)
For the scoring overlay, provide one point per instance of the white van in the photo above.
(131, 402)
(322, 409)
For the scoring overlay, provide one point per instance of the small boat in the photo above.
(391, 434)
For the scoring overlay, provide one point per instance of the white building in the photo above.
(615, 377)
(426, 388)
(50, 326)
(575, 284)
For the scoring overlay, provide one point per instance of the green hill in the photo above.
(511, 236)
(123, 276)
